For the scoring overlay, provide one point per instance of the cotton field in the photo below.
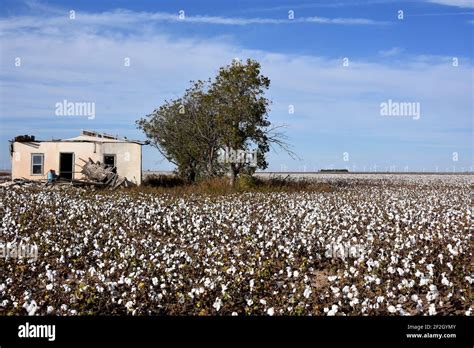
(374, 245)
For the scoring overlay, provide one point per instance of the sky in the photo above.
(339, 71)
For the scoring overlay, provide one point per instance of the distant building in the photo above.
(32, 159)
(344, 170)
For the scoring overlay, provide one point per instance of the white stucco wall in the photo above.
(128, 157)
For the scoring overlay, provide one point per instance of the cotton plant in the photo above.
(375, 245)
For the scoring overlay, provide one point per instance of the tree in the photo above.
(242, 114)
(227, 114)
(182, 131)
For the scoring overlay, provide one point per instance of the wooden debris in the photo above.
(22, 182)
(96, 174)
(101, 174)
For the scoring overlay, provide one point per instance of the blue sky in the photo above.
(336, 121)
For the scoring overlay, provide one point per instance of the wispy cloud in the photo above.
(441, 14)
(455, 3)
(323, 4)
(127, 18)
(248, 21)
(394, 51)
(75, 64)
(83, 60)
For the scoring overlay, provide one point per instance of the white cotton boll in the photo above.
(414, 297)
(129, 306)
(353, 302)
(263, 302)
(432, 309)
(392, 309)
(430, 296)
(333, 310)
(49, 287)
(440, 256)
(223, 288)
(217, 304)
(154, 281)
(270, 311)
(31, 308)
(423, 281)
(307, 292)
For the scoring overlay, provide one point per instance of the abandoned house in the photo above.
(32, 159)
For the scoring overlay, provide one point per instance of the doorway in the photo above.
(66, 165)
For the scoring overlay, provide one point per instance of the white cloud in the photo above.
(456, 3)
(89, 66)
(126, 18)
(394, 51)
(84, 61)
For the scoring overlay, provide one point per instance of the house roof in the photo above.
(87, 138)
(92, 136)
(97, 137)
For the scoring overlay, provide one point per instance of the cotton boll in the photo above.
(217, 304)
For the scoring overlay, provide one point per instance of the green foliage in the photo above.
(229, 112)
(247, 182)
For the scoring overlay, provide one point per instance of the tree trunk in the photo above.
(192, 176)
(232, 175)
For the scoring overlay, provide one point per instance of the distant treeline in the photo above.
(334, 170)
